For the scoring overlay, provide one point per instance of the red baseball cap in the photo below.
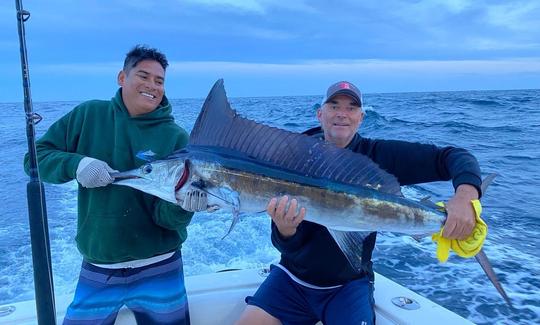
(343, 88)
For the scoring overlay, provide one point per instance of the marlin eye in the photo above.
(147, 169)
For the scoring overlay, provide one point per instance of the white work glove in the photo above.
(92, 173)
(195, 200)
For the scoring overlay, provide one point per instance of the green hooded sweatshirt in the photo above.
(115, 223)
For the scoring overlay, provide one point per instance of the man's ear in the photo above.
(121, 78)
(319, 114)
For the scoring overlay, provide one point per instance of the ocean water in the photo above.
(502, 129)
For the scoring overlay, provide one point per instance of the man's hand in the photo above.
(461, 218)
(194, 200)
(283, 213)
(94, 173)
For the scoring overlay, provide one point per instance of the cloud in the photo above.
(423, 12)
(513, 15)
(191, 79)
(243, 5)
(270, 43)
(493, 44)
(398, 67)
(254, 6)
(269, 34)
(520, 16)
(522, 65)
(454, 6)
(436, 7)
(78, 69)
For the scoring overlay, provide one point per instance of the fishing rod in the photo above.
(35, 192)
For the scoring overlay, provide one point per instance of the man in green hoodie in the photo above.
(130, 241)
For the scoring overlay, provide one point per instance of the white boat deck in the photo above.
(218, 299)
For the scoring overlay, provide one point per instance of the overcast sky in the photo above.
(274, 47)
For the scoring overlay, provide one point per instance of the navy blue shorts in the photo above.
(295, 304)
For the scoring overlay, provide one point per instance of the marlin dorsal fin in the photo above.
(218, 125)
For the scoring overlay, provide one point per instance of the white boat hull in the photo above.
(218, 298)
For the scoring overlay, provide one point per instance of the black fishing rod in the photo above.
(37, 213)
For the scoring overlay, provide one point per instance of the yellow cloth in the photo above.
(464, 248)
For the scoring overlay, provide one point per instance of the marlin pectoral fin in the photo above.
(236, 217)
(235, 213)
(350, 243)
(482, 258)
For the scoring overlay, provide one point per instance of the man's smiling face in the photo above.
(340, 118)
(142, 87)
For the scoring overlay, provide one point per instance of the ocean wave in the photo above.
(483, 102)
